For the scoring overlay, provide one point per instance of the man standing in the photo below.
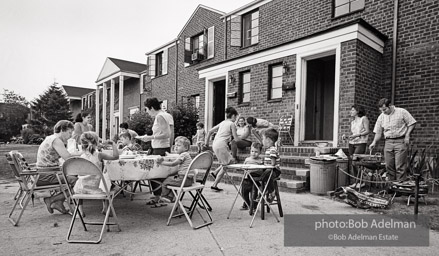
(397, 125)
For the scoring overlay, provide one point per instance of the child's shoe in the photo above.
(271, 196)
(244, 207)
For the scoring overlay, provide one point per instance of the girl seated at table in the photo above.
(181, 147)
(91, 184)
(126, 143)
(247, 184)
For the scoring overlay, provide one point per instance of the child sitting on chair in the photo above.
(91, 184)
(181, 147)
(127, 144)
(247, 184)
(269, 138)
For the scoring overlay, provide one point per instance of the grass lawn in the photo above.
(29, 153)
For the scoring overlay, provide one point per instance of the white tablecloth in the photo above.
(139, 168)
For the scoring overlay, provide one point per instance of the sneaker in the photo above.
(216, 189)
(168, 199)
(244, 207)
(271, 197)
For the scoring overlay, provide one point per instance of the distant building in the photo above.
(75, 95)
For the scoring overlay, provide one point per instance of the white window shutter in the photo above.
(211, 42)
(165, 62)
(235, 31)
(151, 65)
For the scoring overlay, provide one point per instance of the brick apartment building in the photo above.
(311, 60)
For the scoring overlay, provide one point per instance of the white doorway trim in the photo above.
(299, 108)
(208, 110)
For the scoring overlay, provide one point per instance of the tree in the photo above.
(185, 120)
(51, 107)
(10, 97)
(12, 117)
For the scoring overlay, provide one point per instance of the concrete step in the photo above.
(285, 185)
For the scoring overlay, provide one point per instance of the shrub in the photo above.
(141, 123)
(185, 120)
(26, 134)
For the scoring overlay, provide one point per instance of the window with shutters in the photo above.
(199, 47)
(244, 87)
(275, 82)
(245, 29)
(343, 7)
(158, 64)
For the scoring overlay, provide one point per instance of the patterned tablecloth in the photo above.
(139, 168)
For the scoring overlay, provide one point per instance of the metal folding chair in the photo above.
(80, 166)
(285, 126)
(202, 161)
(27, 177)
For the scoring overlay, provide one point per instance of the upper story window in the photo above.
(245, 29)
(244, 87)
(84, 103)
(343, 7)
(158, 63)
(199, 47)
(275, 82)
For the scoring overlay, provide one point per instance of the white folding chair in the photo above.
(80, 166)
(27, 177)
(202, 161)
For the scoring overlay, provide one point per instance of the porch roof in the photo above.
(113, 66)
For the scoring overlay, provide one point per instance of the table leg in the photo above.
(238, 193)
(262, 198)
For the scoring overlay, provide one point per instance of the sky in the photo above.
(67, 41)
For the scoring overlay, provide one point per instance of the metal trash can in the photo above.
(342, 167)
(322, 176)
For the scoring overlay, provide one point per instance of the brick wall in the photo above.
(188, 81)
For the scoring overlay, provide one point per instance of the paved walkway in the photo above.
(144, 230)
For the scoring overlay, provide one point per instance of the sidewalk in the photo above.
(144, 230)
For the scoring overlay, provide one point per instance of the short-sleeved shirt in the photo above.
(79, 129)
(224, 131)
(394, 125)
(251, 160)
(185, 159)
(270, 153)
(358, 127)
(156, 130)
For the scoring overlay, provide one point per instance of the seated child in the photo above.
(91, 184)
(181, 147)
(247, 184)
(269, 138)
(127, 144)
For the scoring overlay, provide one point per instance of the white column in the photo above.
(97, 114)
(112, 109)
(120, 99)
(104, 111)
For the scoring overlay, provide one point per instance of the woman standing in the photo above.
(82, 124)
(243, 131)
(225, 131)
(160, 141)
(359, 129)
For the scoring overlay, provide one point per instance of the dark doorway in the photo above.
(219, 101)
(319, 108)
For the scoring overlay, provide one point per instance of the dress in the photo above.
(395, 126)
(220, 143)
(91, 184)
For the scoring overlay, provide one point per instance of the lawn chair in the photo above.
(197, 197)
(285, 126)
(27, 177)
(202, 161)
(82, 167)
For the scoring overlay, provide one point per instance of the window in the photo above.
(342, 7)
(245, 29)
(133, 110)
(84, 103)
(275, 83)
(244, 87)
(158, 63)
(199, 47)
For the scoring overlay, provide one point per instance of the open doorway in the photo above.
(219, 101)
(319, 99)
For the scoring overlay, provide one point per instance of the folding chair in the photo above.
(82, 167)
(285, 126)
(27, 177)
(202, 161)
(200, 196)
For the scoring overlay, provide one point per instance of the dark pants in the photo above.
(357, 149)
(247, 186)
(157, 186)
(240, 144)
